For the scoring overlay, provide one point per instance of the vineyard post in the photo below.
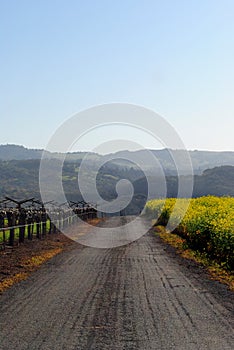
(11, 223)
(50, 225)
(30, 225)
(38, 224)
(22, 222)
(43, 218)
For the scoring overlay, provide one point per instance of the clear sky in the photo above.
(174, 56)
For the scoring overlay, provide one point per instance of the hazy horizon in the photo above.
(121, 150)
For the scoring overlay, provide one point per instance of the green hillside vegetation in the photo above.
(20, 179)
(201, 160)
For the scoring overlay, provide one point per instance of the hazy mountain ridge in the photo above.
(201, 160)
(20, 179)
(218, 181)
(17, 152)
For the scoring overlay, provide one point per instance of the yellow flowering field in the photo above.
(208, 223)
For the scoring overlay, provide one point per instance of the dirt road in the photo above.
(139, 296)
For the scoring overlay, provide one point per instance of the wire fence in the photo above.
(20, 224)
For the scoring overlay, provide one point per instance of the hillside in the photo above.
(218, 181)
(11, 152)
(201, 160)
(16, 152)
(19, 179)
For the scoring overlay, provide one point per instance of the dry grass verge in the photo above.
(17, 263)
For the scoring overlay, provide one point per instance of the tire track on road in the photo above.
(138, 296)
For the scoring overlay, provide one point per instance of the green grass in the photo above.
(34, 230)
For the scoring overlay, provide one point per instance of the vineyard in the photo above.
(207, 226)
(29, 218)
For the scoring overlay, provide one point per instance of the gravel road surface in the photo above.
(138, 296)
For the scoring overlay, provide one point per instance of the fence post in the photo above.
(43, 218)
(11, 222)
(22, 221)
(38, 225)
(30, 225)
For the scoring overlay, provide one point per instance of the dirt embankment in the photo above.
(18, 262)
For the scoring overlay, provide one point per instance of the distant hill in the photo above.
(20, 179)
(218, 181)
(15, 152)
(201, 160)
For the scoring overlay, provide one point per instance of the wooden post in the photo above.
(22, 223)
(43, 219)
(30, 225)
(50, 225)
(38, 224)
(11, 222)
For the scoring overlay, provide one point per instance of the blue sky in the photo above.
(175, 57)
